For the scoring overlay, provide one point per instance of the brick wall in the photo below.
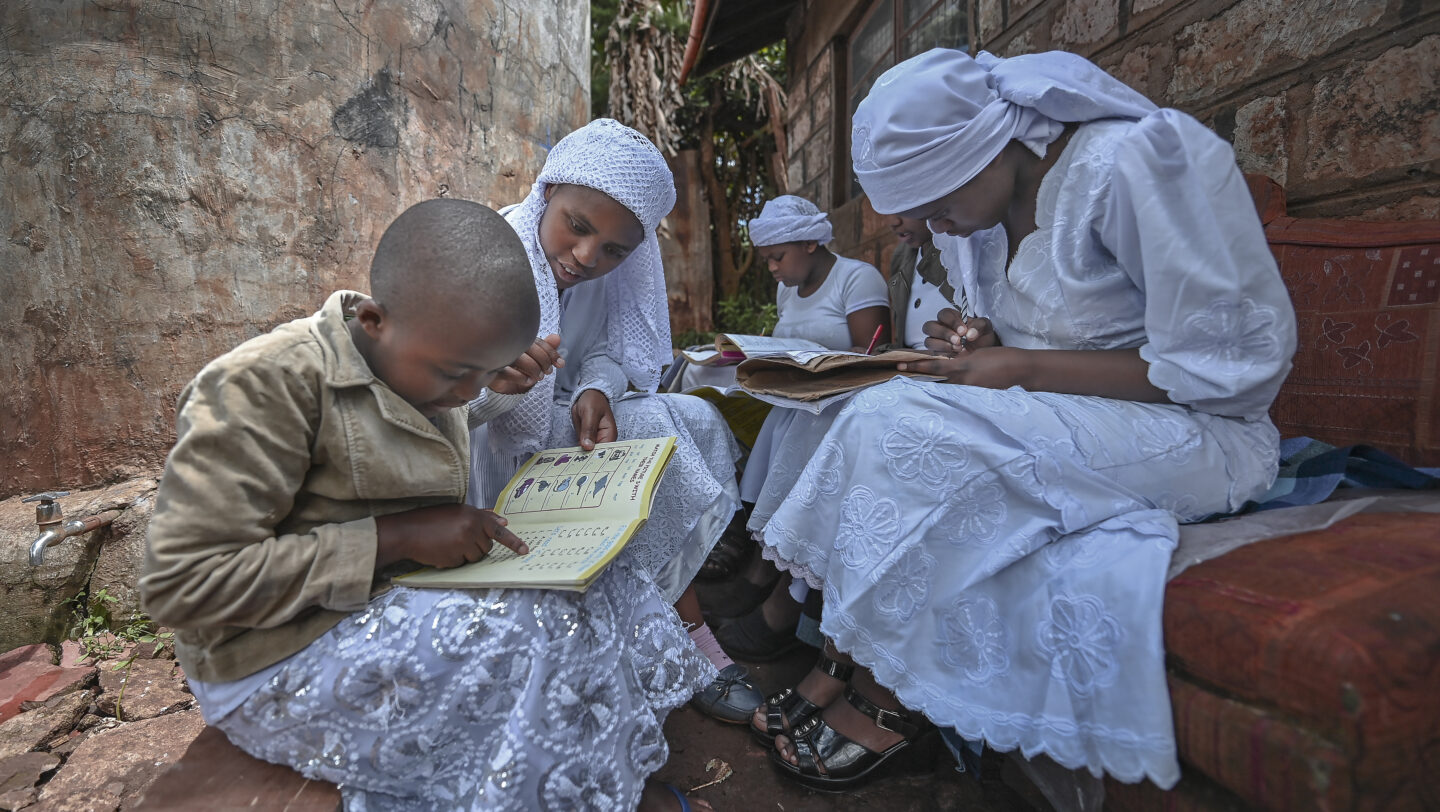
(1336, 99)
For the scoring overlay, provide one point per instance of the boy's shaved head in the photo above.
(454, 259)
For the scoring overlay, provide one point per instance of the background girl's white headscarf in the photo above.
(932, 122)
(788, 218)
(614, 159)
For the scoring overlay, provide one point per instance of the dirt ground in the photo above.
(756, 785)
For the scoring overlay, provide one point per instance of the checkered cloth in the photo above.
(1310, 471)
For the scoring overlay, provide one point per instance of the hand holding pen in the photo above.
(952, 333)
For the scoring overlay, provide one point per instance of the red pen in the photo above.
(873, 339)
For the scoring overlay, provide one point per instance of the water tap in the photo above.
(50, 518)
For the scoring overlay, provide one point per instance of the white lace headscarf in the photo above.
(788, 218)
(932, 122)
(614, 159)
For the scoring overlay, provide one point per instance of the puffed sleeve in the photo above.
(864, 287)
(1179, 220)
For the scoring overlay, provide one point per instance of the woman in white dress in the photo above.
(589, 228)
(992, 548)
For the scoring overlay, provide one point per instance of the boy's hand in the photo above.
(527, 370)
(951, 334)
(441, 536)
(593, 418)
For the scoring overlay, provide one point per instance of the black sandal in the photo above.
(788, 710)
(830, 762)
(730, 554)
(751, 639)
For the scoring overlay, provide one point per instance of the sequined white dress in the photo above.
(434, 700)
(997, 558)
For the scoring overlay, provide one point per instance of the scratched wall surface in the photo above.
(176, 178)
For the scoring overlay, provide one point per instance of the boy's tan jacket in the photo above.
(264, 532)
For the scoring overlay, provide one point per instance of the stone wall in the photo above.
(176, 178)
(1338, 100)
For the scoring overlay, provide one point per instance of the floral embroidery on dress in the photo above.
(382, 689)
(467, 622)
(905, 587)
(580, 783)
(579, 706)
(493, 689)
(869, 526)
(647, 746)
(505, 770)
(873, 400)
(974, 514)
(1232, 336)
(973, 639)
(826, 464)
(923, 447)
(1080, 638)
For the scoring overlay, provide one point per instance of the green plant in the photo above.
(691, 338)
(102, 637)
(742, 314)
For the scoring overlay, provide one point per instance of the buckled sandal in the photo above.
(788, 710)
(828, 761)
(730, 697)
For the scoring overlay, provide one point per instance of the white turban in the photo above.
(788, 218)
(932, 122)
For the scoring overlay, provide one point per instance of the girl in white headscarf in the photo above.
(589, 227)
(838, 302)
(993, 548)
(832, 300)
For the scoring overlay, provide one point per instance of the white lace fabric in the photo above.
(789, 218)
(607, 156)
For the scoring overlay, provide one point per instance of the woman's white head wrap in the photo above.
(788, 218)
(932, 122)
(614, 159)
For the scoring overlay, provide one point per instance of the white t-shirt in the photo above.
(852, 285)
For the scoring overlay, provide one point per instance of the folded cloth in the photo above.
(1310, 471)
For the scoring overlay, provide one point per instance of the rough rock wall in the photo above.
(176, 178)
(1338, 100)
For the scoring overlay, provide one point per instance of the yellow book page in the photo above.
(611, 482)
(574, 510)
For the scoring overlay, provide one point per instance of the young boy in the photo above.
(316, 461)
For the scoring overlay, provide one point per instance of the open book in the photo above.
(574, 509)
(732, 348)
(820, 377)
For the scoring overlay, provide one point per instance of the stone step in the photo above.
(215, 774)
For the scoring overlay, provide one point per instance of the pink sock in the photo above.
(709, 646)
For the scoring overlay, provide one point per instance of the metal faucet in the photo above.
(53, 527)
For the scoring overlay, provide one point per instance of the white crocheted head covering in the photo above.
(932, 122)
(788, 218)
(614, 159)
